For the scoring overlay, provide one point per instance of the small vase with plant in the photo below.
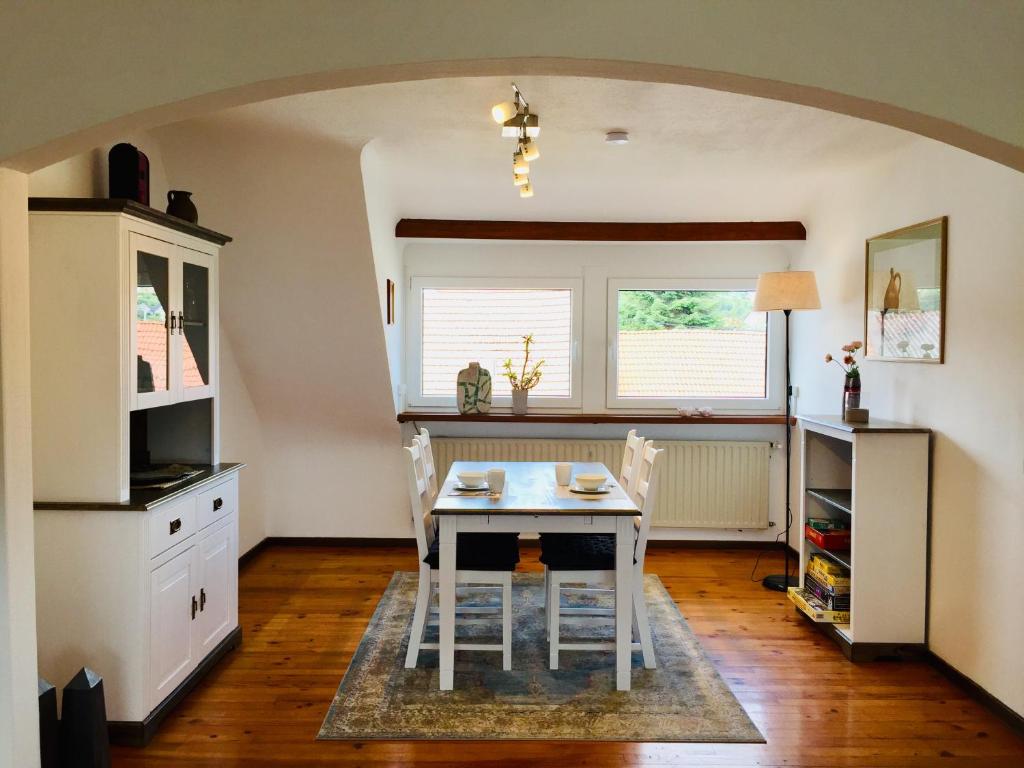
(851, 367)
(525, 380)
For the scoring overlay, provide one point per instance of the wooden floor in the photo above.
(303, 611)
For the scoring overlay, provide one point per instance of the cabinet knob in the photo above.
(202, 599)
(175, 526)
(218, 503)
(195, 605)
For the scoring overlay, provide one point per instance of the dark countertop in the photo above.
(873, 425)
(144, 500)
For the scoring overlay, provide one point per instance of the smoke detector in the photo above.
(616, 137)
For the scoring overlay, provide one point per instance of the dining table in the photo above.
(532, 502)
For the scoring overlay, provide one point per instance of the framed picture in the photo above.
(905, 294)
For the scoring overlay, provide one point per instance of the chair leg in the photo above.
(554, 614)
(642, 623)
(419, 618)
(506, 623)
(547, 607)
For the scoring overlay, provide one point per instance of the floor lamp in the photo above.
(786, 291)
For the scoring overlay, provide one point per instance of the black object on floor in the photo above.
(83, 733)
(49, 726)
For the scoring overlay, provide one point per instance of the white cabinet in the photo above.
(145, 608)
(873, 479)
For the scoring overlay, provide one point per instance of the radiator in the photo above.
(704, 484)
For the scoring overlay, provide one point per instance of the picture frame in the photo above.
(905, 294)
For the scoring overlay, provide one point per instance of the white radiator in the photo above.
(704, 484)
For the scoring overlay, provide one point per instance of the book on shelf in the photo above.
(831, 599)
(831, 580)
(827, 524)
(815, 609)
(825, 565)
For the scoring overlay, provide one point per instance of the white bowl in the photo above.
(472, 479)
(590, 482)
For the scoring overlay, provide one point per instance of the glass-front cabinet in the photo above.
(173, 337)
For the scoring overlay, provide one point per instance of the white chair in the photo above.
(481, 559)
(631, 458)
(589, 560)
(428, 460)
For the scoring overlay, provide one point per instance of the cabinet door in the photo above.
(174, 609)
(152, 265)
(196, 325)
(218, 586)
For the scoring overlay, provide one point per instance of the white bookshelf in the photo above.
(875, 476)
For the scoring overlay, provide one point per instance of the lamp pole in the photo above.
(781, 582)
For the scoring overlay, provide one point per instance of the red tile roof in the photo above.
(151, 345)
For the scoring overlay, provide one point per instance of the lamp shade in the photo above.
(786, 290)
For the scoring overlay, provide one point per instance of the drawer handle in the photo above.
(218, 503)
(175, 526)
(194, 606)
(202, 599)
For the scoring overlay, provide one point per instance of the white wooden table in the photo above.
(532, 502)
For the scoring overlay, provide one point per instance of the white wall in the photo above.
(973, 402)
(19, 719)
(595, 264)
(300, 309)
(382, 215)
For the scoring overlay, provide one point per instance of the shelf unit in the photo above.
(873, 476)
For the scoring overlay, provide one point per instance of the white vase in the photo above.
(519, 401)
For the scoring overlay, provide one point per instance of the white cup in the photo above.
(496, 480)
(563, 473)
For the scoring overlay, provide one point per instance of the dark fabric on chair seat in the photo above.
(578, 551)
(480, 552)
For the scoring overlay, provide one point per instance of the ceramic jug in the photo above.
(179, 204)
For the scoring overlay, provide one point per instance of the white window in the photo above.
(455, 321)
(689, 344)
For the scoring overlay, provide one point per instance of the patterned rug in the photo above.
(684, 699)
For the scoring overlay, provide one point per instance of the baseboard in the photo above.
(1012, 718)
(346, 541)
(139, 733)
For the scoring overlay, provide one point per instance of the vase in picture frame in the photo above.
(519, 401)
(473, 390)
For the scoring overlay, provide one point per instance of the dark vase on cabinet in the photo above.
(179, 203)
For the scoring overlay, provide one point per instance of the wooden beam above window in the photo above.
(607, 231)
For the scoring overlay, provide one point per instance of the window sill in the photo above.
(590, 418)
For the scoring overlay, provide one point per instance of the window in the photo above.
(484, 320)
(687, 344)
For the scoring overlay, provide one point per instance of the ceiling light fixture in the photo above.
(517, 122)
(617, 137)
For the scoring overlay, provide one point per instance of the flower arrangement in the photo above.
(526, 379)
(849, 364)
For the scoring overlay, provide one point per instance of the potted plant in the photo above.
(527, 378)
(851, 387)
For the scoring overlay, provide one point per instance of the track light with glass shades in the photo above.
(517, 122)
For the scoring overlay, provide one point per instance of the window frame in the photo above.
(414, 339)
(772, 403)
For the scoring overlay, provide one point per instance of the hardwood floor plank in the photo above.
(304, 610)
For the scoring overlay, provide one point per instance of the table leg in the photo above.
(624, 539)
(446, 592)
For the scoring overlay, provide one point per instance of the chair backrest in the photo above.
(420, 498)
(631, 458)
(428, 460)
(646, 495)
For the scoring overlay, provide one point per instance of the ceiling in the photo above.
(694, 153)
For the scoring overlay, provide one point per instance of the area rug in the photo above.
(684, 699)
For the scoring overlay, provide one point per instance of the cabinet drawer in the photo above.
(171, 524)
(217, 502)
